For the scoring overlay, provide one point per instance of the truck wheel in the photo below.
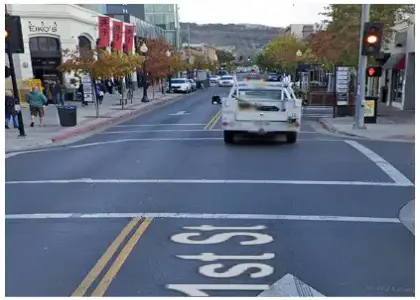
(291, 137)
(228, 137)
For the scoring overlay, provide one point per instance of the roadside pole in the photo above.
(361, 77)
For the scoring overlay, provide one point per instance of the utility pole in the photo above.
(189, 44)
(361, 77)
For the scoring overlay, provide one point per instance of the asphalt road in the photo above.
(159, 206)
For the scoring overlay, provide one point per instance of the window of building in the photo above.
(159, 19)
(150, 18)
(148, 8)
(43, 44)
(170, 37)
(170, 22)
(158, 8)
(33, 44)
(168, 8)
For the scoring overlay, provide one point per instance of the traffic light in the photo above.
(374, 71)
(372, 38)
(13, 34)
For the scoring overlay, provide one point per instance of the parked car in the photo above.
(226, 80)
(181, 85)
(193, 84)
(214, 79)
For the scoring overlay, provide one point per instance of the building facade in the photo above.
(204, 50)
(399, 69)
(48, 30)
(300, 31)
(165, 16)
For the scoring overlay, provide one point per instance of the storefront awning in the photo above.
(396, 61)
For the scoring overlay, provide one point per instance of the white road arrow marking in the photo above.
(290, 286)
(210, 228)
(180, 113)
(214, 257)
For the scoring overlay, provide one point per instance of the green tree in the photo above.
(343, 28)
(280, 53)
(224, 56)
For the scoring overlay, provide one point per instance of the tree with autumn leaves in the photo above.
(340, 41)
(100, 64)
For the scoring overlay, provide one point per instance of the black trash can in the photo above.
(67, 115)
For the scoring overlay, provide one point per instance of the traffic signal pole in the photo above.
(361, 77)
(15, 89)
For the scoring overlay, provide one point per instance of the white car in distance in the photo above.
(226, 81)
(181, 85)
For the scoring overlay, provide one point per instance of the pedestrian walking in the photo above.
(58, 93)
(99, 93)
(11, 112)
(82, 95)
(36, 101)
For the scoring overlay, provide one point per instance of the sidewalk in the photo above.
(392, 124)
(110, 112)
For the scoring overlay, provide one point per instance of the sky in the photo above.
(262, 12)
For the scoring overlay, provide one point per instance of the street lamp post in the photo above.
(143, 50)
(298, 55)
(168, 54)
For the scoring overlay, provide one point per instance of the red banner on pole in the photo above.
(129, 36)
(117, 34)
(103, 32)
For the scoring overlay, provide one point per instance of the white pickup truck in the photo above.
(261, 108)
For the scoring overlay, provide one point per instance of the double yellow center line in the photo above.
(213, 121)
(96, 271)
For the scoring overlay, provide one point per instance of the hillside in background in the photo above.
(247, 38)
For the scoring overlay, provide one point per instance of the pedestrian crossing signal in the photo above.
(7, 72)
(374, 71)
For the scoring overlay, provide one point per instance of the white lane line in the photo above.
(160, 125)
(385, 166)
(205, 181)
(177, 130)
(201, 216)
(158, 130)
(178, 140)
(8, 155)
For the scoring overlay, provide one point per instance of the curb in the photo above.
(407, 216)
(110, 120)
(331, 128)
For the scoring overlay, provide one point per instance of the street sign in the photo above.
(290, 286)
(374, 71)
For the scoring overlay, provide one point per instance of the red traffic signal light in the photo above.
(374, 71)
(372, 38)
